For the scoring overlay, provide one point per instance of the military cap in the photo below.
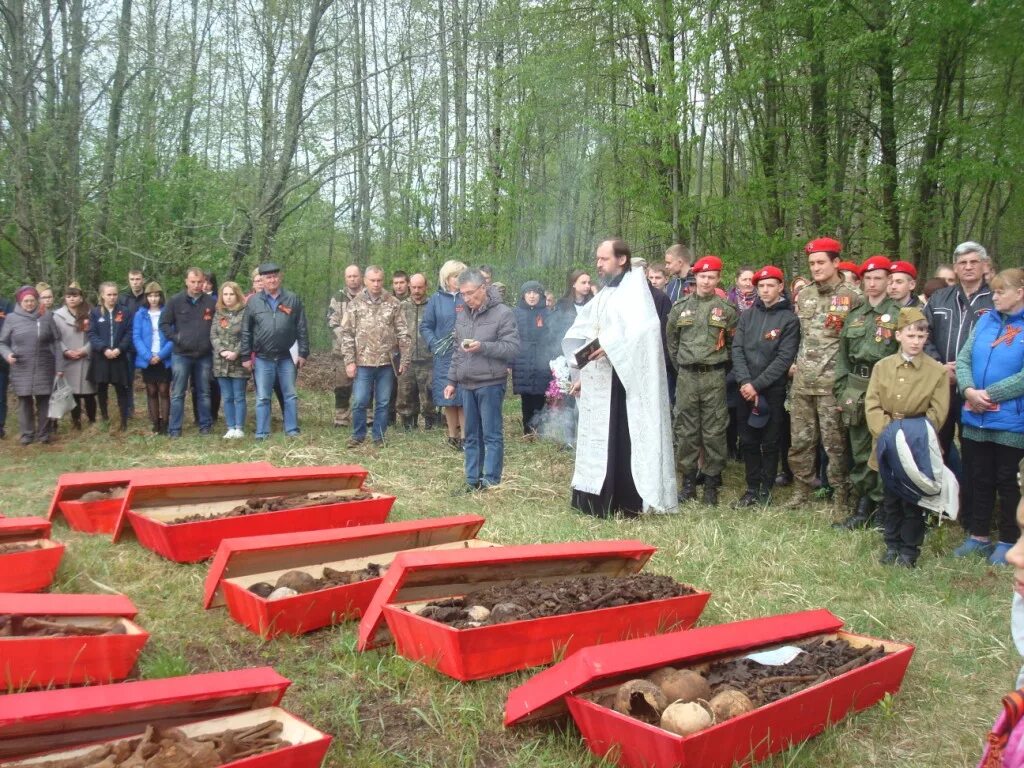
(848, 266)
(909, 316)
(708, 264)
(875, 262)
(766, 272)
(905, 267)
(826, 244)
(759, 414)
(268, 268)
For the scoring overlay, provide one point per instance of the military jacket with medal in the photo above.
(700, 330)
(869, 334)
(822, 310)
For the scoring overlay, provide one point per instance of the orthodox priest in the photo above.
(624, 460)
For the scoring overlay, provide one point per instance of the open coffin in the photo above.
(29, 661)
(155, 511)
(40, 727)
(579, 682)
(28, 558)
(487, 651)
(105, 490)
(241, 563)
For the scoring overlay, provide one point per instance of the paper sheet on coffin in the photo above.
(471, 654)
(150, 509)
(101, 516)
(742, 739)
(33, 662)
(31, 723)
(242, 562)
(33, 569)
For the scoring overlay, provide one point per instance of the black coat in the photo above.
(765, 344)
(110, 330)
(187, 324)
(531, 372)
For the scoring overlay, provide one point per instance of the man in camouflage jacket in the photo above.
(372, 325)
(414, 385)
(335, 311)
(822, 308)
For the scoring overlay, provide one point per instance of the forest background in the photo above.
(159, 133)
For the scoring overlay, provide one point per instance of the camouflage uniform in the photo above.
(370, 330)
(226, 336)
(869, 334)
(342, 383)
(822, 310)
(414, 386)
(699, 333)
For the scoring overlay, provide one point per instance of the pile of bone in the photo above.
(299, 582)
(173, 749)
(262, 504)
(113, 493)
(14, 625)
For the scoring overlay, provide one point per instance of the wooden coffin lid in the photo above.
(23, 529)
(543, 696)
(246, 555)
(261, 479)
(66, 605)
(427, 575)
(64, 718)
(71, 485)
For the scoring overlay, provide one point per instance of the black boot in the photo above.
(689, 490)
(748, 499)
(428, 421)
(764, 493)
(711, 485)
(862, 517)
(409, 423)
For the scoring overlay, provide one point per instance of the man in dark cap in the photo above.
(274, 329)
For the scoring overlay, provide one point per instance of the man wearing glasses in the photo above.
(486, 343)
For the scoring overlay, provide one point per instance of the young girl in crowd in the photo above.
(152, 356)
(72, 322)
(110, 335)
(226, 335)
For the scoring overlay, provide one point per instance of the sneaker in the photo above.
(466, 488)
(973, 546)
(230, 434)
(239, 433)
(749, 499)
(998, 556)
(354, 442)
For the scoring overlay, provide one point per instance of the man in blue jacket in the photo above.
(274, 323)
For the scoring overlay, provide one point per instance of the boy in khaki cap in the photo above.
(905, 385)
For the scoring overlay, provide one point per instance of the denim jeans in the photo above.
(370, 380)
(485, 440)
(232, 393)
(182, 369)
(268, 373)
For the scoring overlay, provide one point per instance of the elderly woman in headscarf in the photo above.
(29, 342)
(531, 370)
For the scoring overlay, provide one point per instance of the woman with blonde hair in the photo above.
(72, 321)
(226, 337)
(153, 355)
(110, 336)
(45, 291)
(438, 330)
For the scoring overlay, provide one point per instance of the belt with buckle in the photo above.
(703, 368)
(864, 371)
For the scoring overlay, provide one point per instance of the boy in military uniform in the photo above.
(902, 282)
(700, 330)
(822, 308)
(905, 385)
(869, 334)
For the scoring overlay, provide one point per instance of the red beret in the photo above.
(905, 267)
(708, 264)
(875, 262)
(826, 244)
(768, 271)
(849, 266)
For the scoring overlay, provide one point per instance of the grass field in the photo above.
(384, 711)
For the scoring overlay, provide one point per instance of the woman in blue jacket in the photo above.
(152, 356)
(110, 336)
(438, 330)
(990, 375)
(531, 370)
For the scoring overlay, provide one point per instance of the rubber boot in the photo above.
(689, 490)
(711, 485)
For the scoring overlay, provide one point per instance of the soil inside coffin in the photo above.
(330, 578)
(13, 625)
(524, 599)
(19, 546)
(259, 505)
(171, 748)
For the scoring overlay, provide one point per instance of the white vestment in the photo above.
(625, 321)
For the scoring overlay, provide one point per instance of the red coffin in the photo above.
(240, 563)
(43, 722)
(741, 740)
(147, 504)
(101, 516)
(35, 569)
(40, 662)
(488, 651)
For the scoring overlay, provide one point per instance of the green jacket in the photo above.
(868, 335)
(700, 330)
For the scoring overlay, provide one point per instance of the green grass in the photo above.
(384, 711)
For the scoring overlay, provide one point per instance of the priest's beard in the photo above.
(605, 280)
